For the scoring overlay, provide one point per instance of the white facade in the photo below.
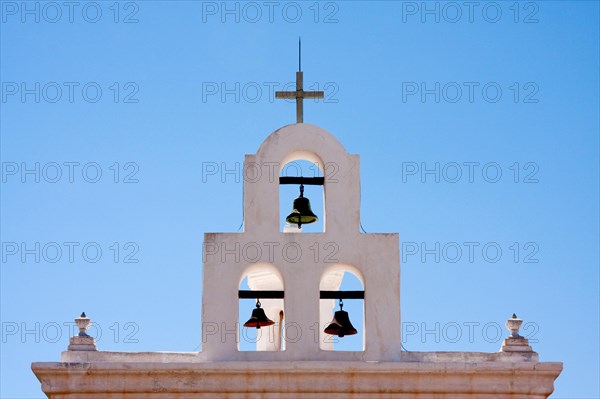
(307, 368)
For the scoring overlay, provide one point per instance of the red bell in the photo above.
(340, 325)
(259, 318)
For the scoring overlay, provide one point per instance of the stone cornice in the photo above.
(298, 379)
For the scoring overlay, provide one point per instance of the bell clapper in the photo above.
(301, 196)
(257, 307)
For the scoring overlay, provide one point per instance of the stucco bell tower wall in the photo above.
(375, 257)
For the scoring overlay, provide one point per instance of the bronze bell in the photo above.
(301, 214)
(340, 325)
(259, 318)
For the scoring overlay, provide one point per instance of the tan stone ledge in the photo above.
(298, 379)
(199, 357)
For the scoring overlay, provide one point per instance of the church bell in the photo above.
(340, 325)
(301, 213)
(259, 318)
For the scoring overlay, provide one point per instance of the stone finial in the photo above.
(515, 342)
(514, 324)
(82, 341)
(83, 323)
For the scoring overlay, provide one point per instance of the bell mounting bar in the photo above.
(342, 295)
(249, 294)
(309, 181)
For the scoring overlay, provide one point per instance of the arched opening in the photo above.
(261, 277)
(340, 277)
(302, 164)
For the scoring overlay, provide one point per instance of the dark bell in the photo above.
(259, 318)
(340, 325)
(301, 213)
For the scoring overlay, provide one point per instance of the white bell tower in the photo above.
(283, 261)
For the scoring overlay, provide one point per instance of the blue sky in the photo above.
(118, 111)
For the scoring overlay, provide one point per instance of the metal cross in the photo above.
(299, 94)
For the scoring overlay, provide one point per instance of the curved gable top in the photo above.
(300, 137)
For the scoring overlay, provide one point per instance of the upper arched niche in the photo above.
(301, 141)
(302, 155)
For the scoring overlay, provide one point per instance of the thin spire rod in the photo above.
(299, 94)
(299, 54)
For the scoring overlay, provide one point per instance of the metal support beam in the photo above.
(342, 295)
(249, 294)
(307, 181)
